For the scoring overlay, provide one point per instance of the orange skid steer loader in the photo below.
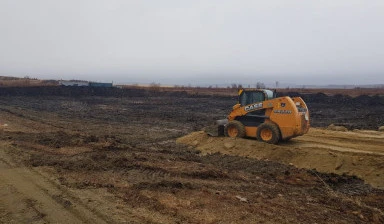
(262, 115)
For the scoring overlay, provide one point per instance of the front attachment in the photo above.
(217, 129)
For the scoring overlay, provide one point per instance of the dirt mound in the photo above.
(358, 153)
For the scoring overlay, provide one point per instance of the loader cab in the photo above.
(247, 97)
(251, 96)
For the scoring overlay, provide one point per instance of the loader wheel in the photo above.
(234, 129)
(268, 132)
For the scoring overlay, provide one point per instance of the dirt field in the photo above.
(357, 153)
(140, 157)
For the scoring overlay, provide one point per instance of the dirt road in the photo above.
(359, 152)
(27, 196)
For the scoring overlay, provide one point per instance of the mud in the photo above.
(116, 160)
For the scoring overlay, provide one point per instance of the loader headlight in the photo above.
(306, 117)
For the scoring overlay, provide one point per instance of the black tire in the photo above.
(268, 132)
(286, 140)
(234, 129)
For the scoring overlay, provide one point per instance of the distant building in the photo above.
(100, 84)
(73, 83)
(84, 83)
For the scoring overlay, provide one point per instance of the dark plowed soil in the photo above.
(362, 112)
(126, 144)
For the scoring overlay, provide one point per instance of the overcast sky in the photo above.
(193, 41)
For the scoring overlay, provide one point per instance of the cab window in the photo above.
(251, 97)
(271, 94)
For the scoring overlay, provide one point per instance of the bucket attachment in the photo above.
(217, 129)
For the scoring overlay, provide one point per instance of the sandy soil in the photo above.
(359, 153)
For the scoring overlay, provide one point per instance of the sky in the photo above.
(194, 42)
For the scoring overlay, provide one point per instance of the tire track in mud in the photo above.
(29, 122)
(337, 147)
(28, 196)
(370, 142)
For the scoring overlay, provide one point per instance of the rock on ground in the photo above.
(333, 127)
